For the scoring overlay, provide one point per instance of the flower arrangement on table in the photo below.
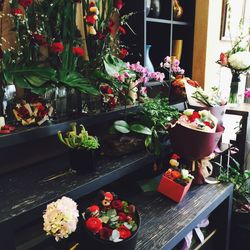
(237, 59)
(176, 78)
(111, 219)
(247, 93)
(176, 181)
(61, 218)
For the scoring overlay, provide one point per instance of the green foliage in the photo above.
(123, 127)
(158, 112)
(241, 183)
(78, 141)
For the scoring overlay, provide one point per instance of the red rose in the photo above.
(208, 124)
(122, 216)
(111, 25)
(78, 51)
(57, 47)
(94, 225)
(119, 4)
(122, 30)
(105, 233)
(92, 4)
(93, 208)
(108, 195)
(39, 39)
(25, 3)
(113, 102)
(223, 59)
(16, 12)
(175, 174)
(194, 116)
(90, 19)
(117, 204)
(124, 232)
(123, 53)
(175, 157)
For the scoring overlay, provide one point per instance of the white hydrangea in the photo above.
(239, 60)
(60, 218)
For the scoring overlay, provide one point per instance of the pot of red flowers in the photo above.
(175, 182)
(195, 135)
(111, 223)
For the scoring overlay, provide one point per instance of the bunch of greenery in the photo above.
(241, 181)
(157, 114)
(79, 141)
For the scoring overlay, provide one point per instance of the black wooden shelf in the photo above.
(26, 134)
(165, 223)
(167, 21)
(25, 193)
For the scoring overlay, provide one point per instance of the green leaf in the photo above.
(122, 126)
(139, 128)
(148, 141)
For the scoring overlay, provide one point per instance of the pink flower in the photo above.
(247, 93)
(223, 59)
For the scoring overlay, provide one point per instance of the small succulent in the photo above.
(78, 141)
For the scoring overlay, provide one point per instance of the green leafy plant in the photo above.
(156, 115)
(241, 181)
(78, 141)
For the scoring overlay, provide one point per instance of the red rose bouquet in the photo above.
(196, 134)
(111, 219)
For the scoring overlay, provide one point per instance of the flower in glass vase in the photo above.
(237, 59)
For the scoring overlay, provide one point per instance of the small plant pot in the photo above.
(173, 190)
(93, 242)
(82, 160)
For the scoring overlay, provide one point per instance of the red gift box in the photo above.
(172, 189)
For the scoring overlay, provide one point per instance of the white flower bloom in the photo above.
(240, 60)
(60, 218)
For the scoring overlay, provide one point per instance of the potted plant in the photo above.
(176, 181)
(241, 203)
(111, 223)
(82, 148)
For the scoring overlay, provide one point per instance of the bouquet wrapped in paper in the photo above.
(196, 134)
(212, 100)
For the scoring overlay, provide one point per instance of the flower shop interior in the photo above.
(124, 124)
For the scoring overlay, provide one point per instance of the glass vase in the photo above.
(148, 62)
(233, 96)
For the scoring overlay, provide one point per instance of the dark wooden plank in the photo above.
(24, 194)
(165, 223)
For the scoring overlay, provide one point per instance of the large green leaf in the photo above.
(122, 126)
(76, 80)
(139, 128)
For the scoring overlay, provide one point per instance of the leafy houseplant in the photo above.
(241, 181)
(156, 115)
(82, 148)
(241, 204)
